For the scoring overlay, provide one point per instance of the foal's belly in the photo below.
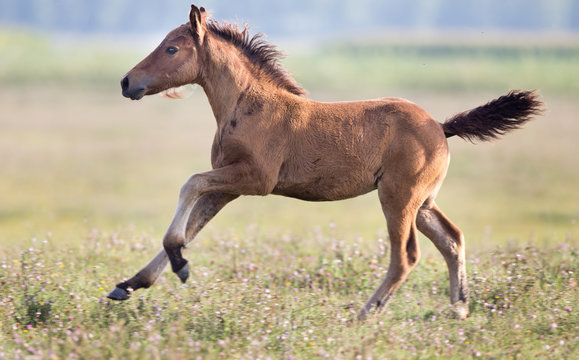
(329, 187)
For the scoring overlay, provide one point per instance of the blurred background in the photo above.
(75, 156)
(297, 18)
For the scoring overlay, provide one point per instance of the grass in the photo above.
(89, 181)
(36, 58)
(258, 295)
(440, 65)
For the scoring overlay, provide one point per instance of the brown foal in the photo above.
(271, 139)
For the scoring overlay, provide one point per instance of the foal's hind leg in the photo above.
(404, 252)
(450, 242)
(205, 208)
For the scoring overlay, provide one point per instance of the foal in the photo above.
(271, 139)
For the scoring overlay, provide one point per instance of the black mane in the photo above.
(262, 53)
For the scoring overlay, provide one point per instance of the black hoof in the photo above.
(183, 274)
(119, 294)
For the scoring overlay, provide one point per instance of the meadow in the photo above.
(89, 181)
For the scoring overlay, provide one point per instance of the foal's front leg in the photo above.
(205, 208)
(237, 179)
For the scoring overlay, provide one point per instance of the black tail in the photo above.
(497, 117)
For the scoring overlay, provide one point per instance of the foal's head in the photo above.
(173, 63)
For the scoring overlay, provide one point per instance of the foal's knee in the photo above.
(190, 188)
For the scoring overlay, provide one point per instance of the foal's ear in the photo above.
(197, 20)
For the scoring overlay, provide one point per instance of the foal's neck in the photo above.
(225, 77)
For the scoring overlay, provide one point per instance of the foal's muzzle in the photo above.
(132, 91)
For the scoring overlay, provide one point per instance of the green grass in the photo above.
(35, 58)
(440, 65)
(258, 295)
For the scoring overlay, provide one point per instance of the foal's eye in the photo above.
(171, 50)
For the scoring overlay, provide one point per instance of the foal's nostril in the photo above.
(125, 83)
(134, 90)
